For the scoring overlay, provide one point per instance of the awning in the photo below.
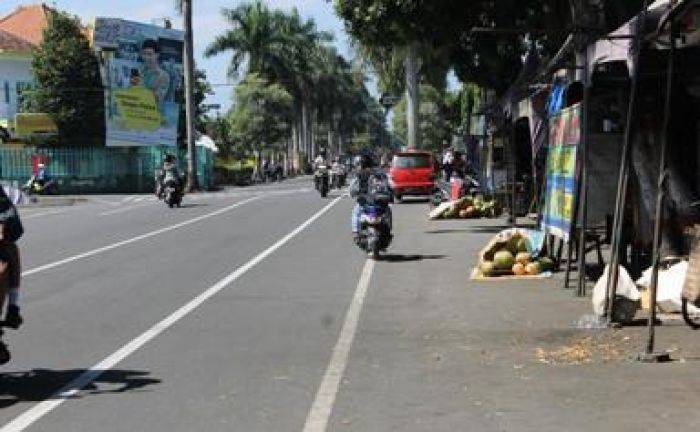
(617, 46)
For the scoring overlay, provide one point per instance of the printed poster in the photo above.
(142, 74)
(561, 172)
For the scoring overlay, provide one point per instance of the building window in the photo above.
(21, 87)
(7, 92)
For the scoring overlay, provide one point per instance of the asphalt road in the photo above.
(251, 310)
(98, 275)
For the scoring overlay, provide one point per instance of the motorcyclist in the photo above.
(318, 162)
(338, 169)
(360, 190)
(168, 172)
(41, 180)
(10, 273)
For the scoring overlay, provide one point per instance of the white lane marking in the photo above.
(320, 413)
(103, 201)
(135, 239)
(48, 213)
(122, 210)
(39, 410)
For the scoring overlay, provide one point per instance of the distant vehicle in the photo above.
(172, 193)
(412, 173)
(322, 180)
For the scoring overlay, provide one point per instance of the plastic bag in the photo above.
(625, 288)
(669, 287)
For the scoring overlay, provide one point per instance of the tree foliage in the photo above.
(435, 114)
(68, 83)
(491, 59)
(328, 93)
(260, 118)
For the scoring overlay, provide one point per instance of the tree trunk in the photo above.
(294, 160)
(304, 129)
(312, 133)
(189, 97)
(331, 149)
(412, 68)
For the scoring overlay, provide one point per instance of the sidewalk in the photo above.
(436, 351)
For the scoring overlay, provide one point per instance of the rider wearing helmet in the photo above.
(10, 231)
(167, 172)
(359, 188)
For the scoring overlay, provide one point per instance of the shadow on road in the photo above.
(448, 231)
(472, 230)
(398, 258)
(40, 384)
(415, 200)
(191, 205)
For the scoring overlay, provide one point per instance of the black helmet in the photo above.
(169, 158)
(366, 161)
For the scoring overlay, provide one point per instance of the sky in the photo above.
(208, 23)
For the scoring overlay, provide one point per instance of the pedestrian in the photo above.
(447, 164)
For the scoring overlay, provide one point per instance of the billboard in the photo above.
(142, 75)
(561, 172)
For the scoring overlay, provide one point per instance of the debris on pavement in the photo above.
(601, 347)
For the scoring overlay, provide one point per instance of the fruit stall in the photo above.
(514, 253)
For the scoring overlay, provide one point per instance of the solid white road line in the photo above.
(320, 413)
(48, 213)
(39, 410)
(135, 239)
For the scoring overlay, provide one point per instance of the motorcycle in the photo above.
(337, 177)
(33, 187)
(442, 191)
(172, 195)
(375, 235)
(322, 180)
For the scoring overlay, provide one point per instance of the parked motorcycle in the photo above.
(443, 190)
(322, 180)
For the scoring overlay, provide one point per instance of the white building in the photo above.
(20, 33)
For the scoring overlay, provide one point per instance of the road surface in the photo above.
(251, 310)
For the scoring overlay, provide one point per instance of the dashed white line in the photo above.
(39, 410)
(320, 413)
(135, 239)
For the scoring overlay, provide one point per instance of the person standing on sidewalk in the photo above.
(447, 164)
(10, 272)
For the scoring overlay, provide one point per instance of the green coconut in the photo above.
(523, 245)
(503, 260)
(487, 268)
(546, 264)
(512, 244)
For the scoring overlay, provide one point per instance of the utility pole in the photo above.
(189, 97)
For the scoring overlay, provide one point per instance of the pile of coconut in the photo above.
(510, 253)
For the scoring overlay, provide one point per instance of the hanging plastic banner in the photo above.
(561, 172)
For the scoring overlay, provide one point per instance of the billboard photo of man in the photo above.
(154, 78)
(141, 78)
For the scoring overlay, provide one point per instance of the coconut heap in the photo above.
(512, 257)
(469, 207)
